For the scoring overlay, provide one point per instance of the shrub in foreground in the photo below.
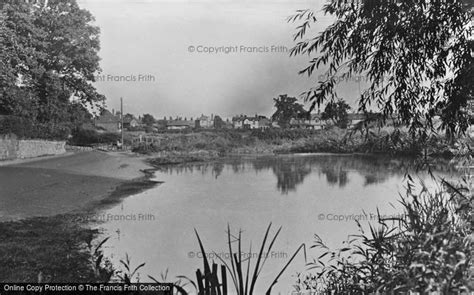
(25, 128)
(427, 249)
(88, 137)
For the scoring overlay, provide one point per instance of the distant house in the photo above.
(129, 122)
(256, 122)
(372, 119)
(355, 118)
(205, 121)
(108, 122)
(264, 123)
(250, 123)
(228, 124)
(314, 122)
(180, 124)
(238, 121)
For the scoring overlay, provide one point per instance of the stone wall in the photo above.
(8, 147)
(12, 148)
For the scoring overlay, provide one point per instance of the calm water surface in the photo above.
(305, 194)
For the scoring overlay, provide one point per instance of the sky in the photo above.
(187, 58)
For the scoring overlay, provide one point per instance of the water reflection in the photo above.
(291, 171)
(302, 193)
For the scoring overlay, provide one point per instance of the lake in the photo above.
(304, 194)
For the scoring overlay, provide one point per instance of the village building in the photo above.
(314, 122)
(130, 122)
(205, 122)
(238, 121)
(355, 118)
(256, 122)
(264, 123)
(227, 124)
(180, 125)
(108, 121)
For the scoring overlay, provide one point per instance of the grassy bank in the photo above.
(207, 145)
(45, 249)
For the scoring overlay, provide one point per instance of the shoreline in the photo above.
(68, 236)
(290, 141)
(69, 183)
(74, 228)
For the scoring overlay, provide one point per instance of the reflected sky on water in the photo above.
(304, 194)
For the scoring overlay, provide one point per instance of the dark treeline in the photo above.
(49, 56)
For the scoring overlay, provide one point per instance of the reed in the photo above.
(427, 249)
(244, 273)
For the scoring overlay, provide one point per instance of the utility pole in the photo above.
(121, 118)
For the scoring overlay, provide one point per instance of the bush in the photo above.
(89, 137)
(25, 128)
(137, 128)
(427, 249)
(273, 134)
(21, 127)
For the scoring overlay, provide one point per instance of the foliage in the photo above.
(276, 134)
(128, 116)
(49, 58)
(287, 108)
(220, 141)
(337, 112)
(28, 246)
(88, 137)
(460, 89)
(427, 249)
(138, 128)
(177, 285)
(387, 140)
(126, 276)
(243, 277)
(149, 129)
(218, 122)
(148, 120)
(207, 282)
(21, 127)
(24, 128)
(416, 56)
(102, 266)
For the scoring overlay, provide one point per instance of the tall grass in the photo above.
(243, 272)
(427, 249)
(374, 140)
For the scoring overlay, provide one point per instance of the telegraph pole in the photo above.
(121, 118)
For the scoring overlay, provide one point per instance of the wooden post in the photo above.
(121, 119)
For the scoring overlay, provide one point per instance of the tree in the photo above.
(413, 53)
(128, 117)
(49, 58)
(148, 120)
(287, 108)
(337, 112)
(218, 122)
